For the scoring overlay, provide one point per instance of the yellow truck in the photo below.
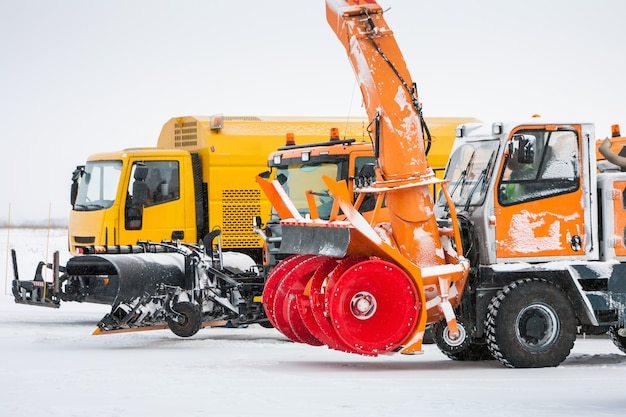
(200, 176)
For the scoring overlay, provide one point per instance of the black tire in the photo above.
(619, 341)
(530, 324)
(462, 349)
(192, 319)
(475, 352)
(429, 337)
(451, 347)
(266, 324)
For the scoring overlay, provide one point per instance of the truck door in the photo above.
(154, 208)
(539, 212)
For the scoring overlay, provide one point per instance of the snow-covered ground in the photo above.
(51, 365)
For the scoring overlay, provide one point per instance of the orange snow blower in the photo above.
(370, 285)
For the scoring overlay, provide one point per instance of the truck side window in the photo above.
(554, 170)
(163, 182)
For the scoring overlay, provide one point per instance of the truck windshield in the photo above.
(296, 179)
(98, 186)
(469, 171)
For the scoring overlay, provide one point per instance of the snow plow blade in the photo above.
(99, 330)
(112, 279)
(127, 283)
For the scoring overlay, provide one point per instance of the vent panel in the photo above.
(238, 209)
(185, 134)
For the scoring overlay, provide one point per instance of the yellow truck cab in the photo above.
(200, 176)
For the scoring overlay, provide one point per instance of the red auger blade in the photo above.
(321, 286)
(284, 310)
(273, 280)
(311, 306)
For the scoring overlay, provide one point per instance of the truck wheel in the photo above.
(192, 319)
(619, 341)
(530, 324)
(461, 349)
(451, 347)
(266, 324)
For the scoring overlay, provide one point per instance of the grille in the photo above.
(185, 134)
(238, 209)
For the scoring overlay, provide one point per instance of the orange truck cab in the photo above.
(544, 232)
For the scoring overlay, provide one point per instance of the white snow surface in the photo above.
(51, 366)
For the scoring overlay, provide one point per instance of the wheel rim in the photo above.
(374, 306)
(537, 327)
(190, 319)
(454, 342)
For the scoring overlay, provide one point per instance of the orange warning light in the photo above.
(615, 131)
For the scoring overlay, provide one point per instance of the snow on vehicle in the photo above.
(522, 251)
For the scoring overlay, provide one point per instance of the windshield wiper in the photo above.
(481, 180)
(88, 207)
(462, 180)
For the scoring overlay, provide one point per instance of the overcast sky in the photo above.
(80, 77)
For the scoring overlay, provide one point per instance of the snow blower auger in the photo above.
(370, 286)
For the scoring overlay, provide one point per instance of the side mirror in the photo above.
(140, 193)
(73, 193)
(265, 174)
(76, 175)
(366, 175)
(282, 179)
(141, 172)
(525, 146)
(257, 222)
(140, 188)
